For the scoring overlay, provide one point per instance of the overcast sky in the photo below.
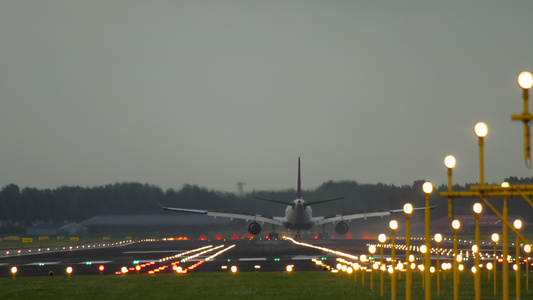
(218, 92)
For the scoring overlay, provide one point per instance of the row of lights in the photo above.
(68, 248)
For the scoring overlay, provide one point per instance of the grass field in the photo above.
(297, 285)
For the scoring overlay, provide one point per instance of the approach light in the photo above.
(382, 238)
(449, 161)
(233, 269)
(427, 187)
(527, 248)
(289, 268)
(489, 266)
(438, 237)
(393, 224)
(408, 208)
(456, 224)
(517, 224)
(495, 237)
(478, 208)
(481, 129)
(525, 80)
(505, 184)
(372, 249)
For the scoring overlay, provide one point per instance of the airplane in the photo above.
(298, 215)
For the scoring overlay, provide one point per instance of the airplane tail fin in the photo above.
(299, 192)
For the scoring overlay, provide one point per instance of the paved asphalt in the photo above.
(248, 256)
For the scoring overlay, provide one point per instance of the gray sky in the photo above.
(216, 92)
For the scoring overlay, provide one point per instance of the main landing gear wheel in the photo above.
(273, 236)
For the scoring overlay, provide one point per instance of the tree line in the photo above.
(27, 206)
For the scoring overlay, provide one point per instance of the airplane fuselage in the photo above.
(298, 216)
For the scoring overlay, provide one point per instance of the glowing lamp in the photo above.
(372, 249)
(525, 80)
(527, 248)
(408, 208)
(449, 161)
(382, 238)
(423, 249)
(124, 270)
(474, 269)
(69, 271)
(233, 269)
(481, 129)
(517, 224)
(505, 184)
(393, 224)
(478, 208)
(427, 187)
(438, 237)
(456, 224)
(489, 266)
(363, 258)
(289, 268)
(474, 249)
(495, 237)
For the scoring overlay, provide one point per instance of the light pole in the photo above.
(423, 250)
(481, 130)
(438, 239)
(456, 225)
(505, 246)
(427, 187)
(527, 249)
(449, 162)
(372, 250)
(478, 208)
(517, 225)
(382, 238)
(393, 224)
(495, 238)
(363, 261)
(408, 209)
(525, 81)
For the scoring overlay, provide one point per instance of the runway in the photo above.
(162, 256)
(159, 256)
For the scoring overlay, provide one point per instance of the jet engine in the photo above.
(341, 228)
(254, 228)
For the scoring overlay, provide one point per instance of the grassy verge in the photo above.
(298, 285)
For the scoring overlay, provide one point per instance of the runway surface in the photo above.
(209, 256)
(161, 256)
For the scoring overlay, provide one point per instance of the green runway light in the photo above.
(276, 259)
(89, 263)
(135, 262)
(324, 258)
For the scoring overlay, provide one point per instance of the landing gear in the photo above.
(273, 235)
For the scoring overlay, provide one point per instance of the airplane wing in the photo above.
(242, 216)
(362, 215)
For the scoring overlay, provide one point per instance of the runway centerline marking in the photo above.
(253, 259)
